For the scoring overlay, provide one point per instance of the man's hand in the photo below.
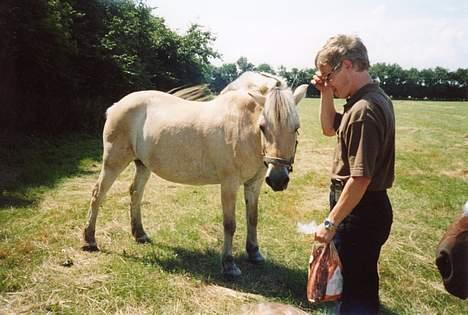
(324, 235)
(320, 83)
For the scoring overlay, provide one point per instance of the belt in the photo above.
(338, 185)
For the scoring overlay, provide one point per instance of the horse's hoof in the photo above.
(90, 248)
(230, 270)
(255, 257)
(143, 239)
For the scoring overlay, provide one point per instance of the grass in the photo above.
(45, 188)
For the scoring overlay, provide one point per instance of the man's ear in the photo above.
(300, 92)
(259, 98)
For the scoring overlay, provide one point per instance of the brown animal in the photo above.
(452, 257)
(226, 141)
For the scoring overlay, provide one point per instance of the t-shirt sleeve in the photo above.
(337, 122)
(363, 147)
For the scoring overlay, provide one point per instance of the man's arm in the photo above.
(327, 112)
(327, 107)
(352, 193)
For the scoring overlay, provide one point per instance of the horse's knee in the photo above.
(252, 218)
(229, 226)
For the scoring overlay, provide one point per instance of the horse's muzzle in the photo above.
(277, 177)
(452, 262)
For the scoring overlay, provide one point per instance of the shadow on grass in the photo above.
(272, 279)
(29, 165)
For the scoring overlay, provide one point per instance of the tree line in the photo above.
(399, 83)
(63, 62)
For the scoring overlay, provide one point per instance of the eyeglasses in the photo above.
(335, 70)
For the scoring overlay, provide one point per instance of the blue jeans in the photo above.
(358, 240)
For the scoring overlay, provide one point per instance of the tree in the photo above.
(222, 76)
(63, 62)
(264, 67)
(244, 65)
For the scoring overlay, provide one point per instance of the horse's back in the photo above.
(259, 82)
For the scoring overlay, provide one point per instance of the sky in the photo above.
(411, 33)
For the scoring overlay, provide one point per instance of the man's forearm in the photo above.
(352, 193)
(327, 113)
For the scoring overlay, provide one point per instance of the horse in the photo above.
(452, 257)
(240, 137)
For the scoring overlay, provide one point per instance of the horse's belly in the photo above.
(184, 160)
(186, 172)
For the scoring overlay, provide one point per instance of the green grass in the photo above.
(45, 187)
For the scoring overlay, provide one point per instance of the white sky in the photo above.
(412, 33)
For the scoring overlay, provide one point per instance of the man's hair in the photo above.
(340, 47)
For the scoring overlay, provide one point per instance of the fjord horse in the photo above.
(452, 257)
(242, 136)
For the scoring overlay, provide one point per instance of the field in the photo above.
(45, 187)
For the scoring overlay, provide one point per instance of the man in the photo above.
(360, 215)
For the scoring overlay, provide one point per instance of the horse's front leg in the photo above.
(228, 201)
(251, 193)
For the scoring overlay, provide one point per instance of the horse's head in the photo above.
(452, 257)
(279, 124)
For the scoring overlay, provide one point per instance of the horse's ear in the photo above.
(259, 98)
(300, 92)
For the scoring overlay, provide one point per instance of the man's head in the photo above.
(344, 64)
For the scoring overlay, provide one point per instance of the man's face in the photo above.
(337, 78)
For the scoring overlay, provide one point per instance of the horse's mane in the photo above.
(279, 104)
(199, 92)
(281, 109)
(260, 82)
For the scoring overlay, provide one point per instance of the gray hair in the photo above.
(341, 47)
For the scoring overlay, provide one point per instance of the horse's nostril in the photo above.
(444, 265)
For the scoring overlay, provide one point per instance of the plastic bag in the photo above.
(325, 280)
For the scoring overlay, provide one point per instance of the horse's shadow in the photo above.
(272, 279)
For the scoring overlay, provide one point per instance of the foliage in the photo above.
(244, 65)
(63, 62)
(435, 84)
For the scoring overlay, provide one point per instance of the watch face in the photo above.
(328, 225)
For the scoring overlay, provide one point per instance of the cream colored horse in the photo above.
(224, 141)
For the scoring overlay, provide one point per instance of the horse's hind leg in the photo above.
(113, 164)
(251, 193)
(142, 174)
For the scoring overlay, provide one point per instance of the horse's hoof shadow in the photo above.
(232, 276)
(256, 258)
(90, 248)
(143, 240)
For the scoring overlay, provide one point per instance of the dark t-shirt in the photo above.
(366, 138)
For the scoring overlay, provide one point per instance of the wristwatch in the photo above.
(329, 225)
